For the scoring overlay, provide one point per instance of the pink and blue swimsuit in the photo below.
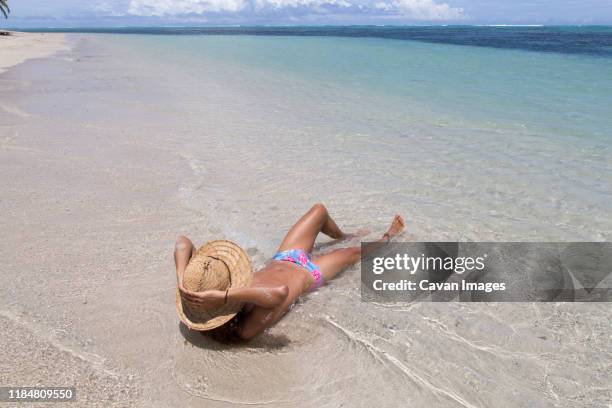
(303, 259)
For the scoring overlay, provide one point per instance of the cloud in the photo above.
(107, 8)
(422, 9)
(427, 10)
(280, 4)
(164, 8)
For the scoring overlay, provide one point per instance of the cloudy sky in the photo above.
(218, 12)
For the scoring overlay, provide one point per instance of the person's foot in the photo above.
(397, 226)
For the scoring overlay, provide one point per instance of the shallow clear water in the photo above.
(468, 142)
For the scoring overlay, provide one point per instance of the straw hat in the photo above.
(216, 265)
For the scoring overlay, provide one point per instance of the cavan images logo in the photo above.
(487, 272)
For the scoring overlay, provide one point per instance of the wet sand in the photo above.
(95, 165)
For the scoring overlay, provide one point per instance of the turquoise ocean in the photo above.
(479, 133)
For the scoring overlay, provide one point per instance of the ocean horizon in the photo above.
(593, 39)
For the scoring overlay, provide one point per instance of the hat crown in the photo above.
(206, 273)
(216, 265)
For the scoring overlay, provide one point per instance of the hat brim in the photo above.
(241, 274)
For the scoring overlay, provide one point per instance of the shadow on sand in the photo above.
(264, 341)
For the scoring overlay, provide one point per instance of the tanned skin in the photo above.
(278, 285)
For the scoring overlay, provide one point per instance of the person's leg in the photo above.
(333, 263)
(304, 233)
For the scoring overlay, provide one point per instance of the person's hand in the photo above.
(195, 297)
(188, 295)
(207, 298)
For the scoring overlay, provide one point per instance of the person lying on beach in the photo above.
(218, 292)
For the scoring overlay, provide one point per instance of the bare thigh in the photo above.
(333, 263)
(302, 234)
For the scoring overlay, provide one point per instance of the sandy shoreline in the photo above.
(94, 173)
(97, 227)
(19, 47)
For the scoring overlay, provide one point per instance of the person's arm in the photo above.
(183, 251)
(259, 320)
(265, 297)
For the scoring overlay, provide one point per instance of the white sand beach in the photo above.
(107, 155)
(19, 46)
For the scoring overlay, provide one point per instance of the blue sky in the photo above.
(211, 12)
